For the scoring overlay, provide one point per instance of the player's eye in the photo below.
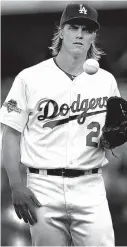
(87, 30)
(73, 27)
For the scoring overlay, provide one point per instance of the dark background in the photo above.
(25, 37)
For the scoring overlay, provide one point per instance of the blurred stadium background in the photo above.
(26, 32)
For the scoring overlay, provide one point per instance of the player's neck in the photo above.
(70, 64)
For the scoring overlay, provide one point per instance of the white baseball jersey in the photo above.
(60, 119)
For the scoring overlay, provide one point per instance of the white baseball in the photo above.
(91, 66)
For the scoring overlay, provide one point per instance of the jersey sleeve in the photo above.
(114, 89)
(14, 112)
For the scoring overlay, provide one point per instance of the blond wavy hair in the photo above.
(93, 52)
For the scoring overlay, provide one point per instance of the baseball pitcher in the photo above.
(53, 119)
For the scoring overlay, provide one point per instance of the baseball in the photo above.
(91, 66)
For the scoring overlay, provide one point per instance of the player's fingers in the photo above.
(35, 201)
(24, 212)
(32, 213)
(28, 215)
(17, 211)
(30, 219)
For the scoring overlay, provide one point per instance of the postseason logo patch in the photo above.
(12, 106)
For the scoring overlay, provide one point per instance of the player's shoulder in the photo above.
(106, 74)
(36, 69)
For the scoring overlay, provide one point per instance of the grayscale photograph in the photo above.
(63, 119)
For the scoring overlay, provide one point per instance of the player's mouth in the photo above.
(78, 43)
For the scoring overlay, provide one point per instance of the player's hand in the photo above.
(24, 202)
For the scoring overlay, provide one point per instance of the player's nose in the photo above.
(79, 33)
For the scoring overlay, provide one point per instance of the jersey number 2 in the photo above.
(92, 134)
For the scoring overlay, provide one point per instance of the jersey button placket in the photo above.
(70, 128)
(73, 163)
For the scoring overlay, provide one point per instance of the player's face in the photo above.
(77, 39)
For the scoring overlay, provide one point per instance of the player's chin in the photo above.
(78, 51)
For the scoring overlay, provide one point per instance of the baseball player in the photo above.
(53, 117)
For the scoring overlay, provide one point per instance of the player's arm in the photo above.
(23, 199)
(11, 154)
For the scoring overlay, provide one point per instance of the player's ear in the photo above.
(93, 37)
